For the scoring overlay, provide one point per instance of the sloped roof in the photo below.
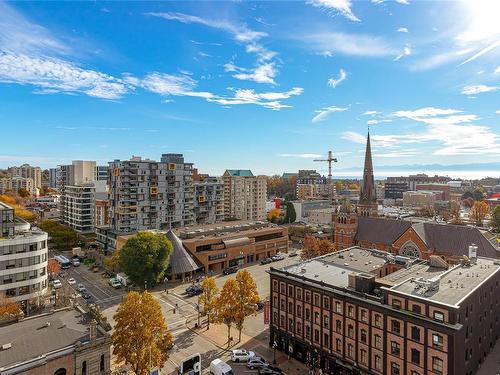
(448, 239)
(180, 260)
(380, 230)
(239, 172)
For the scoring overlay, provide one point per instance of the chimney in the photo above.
(93, 330)
(473, 253)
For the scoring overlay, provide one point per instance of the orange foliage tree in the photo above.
(8, 307)
(53, 267)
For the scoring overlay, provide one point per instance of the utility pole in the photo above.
(330, 159)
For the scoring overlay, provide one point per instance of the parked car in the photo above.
(71, 281)
(241, 355)
(85, 295)
(229, 270)
(257, 362)
(80, 287)
(76, 262)
(266, 261)
(269, 371)
(219, 367)
(278, 256)
(56, 284)
(293, 254)
(194, 290)
(115, 284)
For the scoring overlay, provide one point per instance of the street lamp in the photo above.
(275, 344)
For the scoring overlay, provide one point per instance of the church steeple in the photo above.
(368, 196)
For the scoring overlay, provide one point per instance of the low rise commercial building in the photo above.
(321, 216)
(422, 198)
(60, 343)
(444, 189)
(395, 188)
(361, 311)
(305, 207)
(23, 259)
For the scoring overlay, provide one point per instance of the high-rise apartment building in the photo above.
(77, 207)
(23, 258)
(17, 183)
(209, 200)
(78, 172)
(244, 195)
(54, 178)
(27, 171)
(102, 172)
(147, 194)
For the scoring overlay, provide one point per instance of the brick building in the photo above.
(368, 312)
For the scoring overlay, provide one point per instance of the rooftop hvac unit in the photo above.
(473, 253)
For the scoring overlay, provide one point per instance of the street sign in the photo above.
(267, 312)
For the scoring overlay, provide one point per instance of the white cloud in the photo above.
(378, 1)
(334, 82)
(482, 52)
(426, 112)
(337, 6)
(371, 113)
(497, 70)
(323, 114)
(375, 122)
(264, 71)
(406, 52)
(398, 154)
(404, 2)
(362, 45)
(53, 75)
(402, 30)
(498, 112)
(300, 156)
(478, 89)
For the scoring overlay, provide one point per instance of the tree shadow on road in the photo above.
(184, 340)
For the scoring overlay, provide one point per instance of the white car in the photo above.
(71, 281)
(80, 287)
(241, 355)
(278, 256)
(56, 284)
(257, 362)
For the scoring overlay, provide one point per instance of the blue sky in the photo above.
(267, 86)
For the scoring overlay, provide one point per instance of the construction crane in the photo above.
(329, 160)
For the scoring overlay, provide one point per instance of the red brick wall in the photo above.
(410, 235)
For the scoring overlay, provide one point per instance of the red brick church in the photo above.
(361, 226)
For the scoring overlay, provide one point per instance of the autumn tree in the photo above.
(9, 308)
(273, 215)
(247, 297)
(208, 298)
(17, 203)
(53, 267)
(310, 248)
(325, 247)
(141, 337)
(478, 212)
(145, 257)
(23, 193)
(468, 202)
(495, 219)
(226, 306)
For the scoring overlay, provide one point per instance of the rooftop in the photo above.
(239, 172)
(450, 286)
(222, 229)
(33, 337)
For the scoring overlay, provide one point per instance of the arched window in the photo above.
(61, 371)
(409, 249)
(84, 368)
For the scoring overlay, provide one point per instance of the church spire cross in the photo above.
(368, 195)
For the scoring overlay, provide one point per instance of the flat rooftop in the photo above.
(334, 268)
(229, 229)
(33, 337)
(451, 285)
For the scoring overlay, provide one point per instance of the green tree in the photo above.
(226, 306)
(145, 258)
(495, 218)
(208, 298)
(291, 215)
(246, 299)
(141, 337)
(63, 237)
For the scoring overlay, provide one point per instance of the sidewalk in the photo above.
(217, 334)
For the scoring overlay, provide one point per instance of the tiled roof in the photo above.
(448, 239)
(380, 230)
(239, 172)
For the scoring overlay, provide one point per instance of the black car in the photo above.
(86, 295)
(230, 270)
(194, 290)
(266, 261)
(260, 305)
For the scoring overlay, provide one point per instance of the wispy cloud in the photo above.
(402, 30)
(323, 114)
(300, 156)
(404, 2)
(478, 89)
(406, 52)
(497, 70)
(398, 154)
(334, 82)
(342, 7)
(370, 113)
(265, 69)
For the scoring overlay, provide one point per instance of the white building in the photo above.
(77, 207)
(23, 258)
(244, 195)
(27, 171)
(16, 183)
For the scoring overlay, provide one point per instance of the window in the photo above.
(101, 364)
(338, 345)
(350, 351)
(290, 307)
(395, 349)
(364, 316)
(308, 297)
(350, 331)
(416, 309)
(61, 371)
(338, 307)
(308, 332)
(290, 325)
(290, 291)
(299, 311)
(396, 304)
(316, 300)
(415, 333)
(326, 340)
(439, 316)
(316, 317)
(363, 335)
(299, 330)
(299, 294)
(282, 321)
(395, 326)
(437, 365)
(282, 288)
(316, 335)
(414, 373)
(363, 356)
(415, 356)
(437, 340)
(378, 320)
(308, 314)
(275, 317)
(84, 368)
(282, 304)
(378, 342)
(378, 363)
(326, 302)
(326, 320)
(395, 370)
(338, 326)
(350, 311)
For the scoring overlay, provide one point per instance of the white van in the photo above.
(219, 367)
